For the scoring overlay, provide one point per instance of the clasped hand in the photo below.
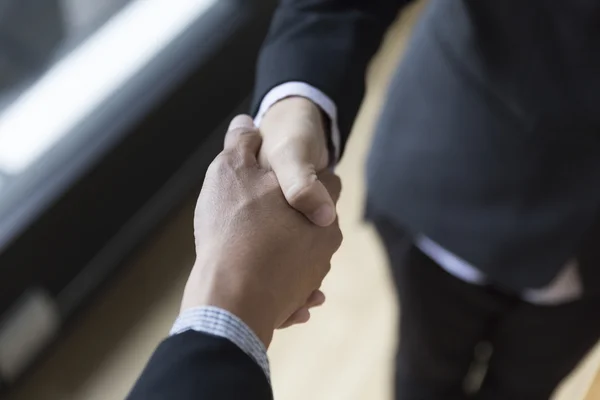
(257, 257)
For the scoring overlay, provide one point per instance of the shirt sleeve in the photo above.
(305, 90)
(219, 322)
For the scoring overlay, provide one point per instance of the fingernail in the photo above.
(324, 215)
(241, 121)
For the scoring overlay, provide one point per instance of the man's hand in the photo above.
(295, 148)
(256, 257)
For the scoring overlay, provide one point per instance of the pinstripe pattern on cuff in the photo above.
(219, 322)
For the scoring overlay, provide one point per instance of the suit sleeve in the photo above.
(326, 44)
(194, 365)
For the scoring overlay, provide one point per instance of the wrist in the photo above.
(250, 311)
(294, 106)
(208, 286)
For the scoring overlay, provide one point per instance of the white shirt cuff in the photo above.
(219, 322)
(305, 90)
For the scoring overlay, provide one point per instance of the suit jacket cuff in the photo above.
(219, 322)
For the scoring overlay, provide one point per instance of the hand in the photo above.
(295, 148)
(256, 256)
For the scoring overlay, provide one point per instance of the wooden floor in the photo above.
(344, 353)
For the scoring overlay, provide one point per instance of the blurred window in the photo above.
(62, 59)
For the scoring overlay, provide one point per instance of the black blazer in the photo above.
(198, 366)
(488, 142)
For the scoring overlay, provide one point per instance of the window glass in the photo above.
(62, 59)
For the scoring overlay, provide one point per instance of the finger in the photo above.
(243, 138)
(301, 187)
(316, 299)
(332, 183)
(301, 316)
(238, 126)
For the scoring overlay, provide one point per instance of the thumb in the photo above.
(302, 188)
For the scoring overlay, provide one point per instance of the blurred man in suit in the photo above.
(259, 265)
(483, 179)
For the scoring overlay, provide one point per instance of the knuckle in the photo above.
(242, 158)
(221, 162)
(337, 238)
(323, 271)
(235, 135)
(234, 159)
(242, 135)
(238, 160)
(227, 163)
(241, 131)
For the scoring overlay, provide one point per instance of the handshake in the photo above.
(265, 227)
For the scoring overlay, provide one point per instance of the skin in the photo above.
(295, 149)
(257, 257)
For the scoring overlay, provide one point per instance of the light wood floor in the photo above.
(344, 353)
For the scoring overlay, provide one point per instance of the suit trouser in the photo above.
(443, 320)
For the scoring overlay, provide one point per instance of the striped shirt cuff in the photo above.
(218, 322)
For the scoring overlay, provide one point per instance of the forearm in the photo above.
(326, 44)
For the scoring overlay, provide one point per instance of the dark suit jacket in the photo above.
(197, 366)
(488, 142)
